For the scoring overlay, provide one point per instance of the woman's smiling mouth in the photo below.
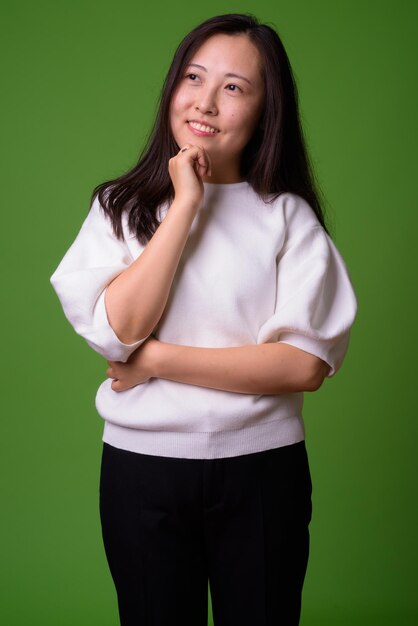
(201, 129)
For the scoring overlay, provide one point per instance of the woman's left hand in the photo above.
(139, 368)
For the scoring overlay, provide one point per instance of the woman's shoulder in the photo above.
(295, 210)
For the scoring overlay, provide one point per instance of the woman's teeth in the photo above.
(205, 129)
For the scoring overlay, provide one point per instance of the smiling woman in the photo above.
(206, 103)
(207, 278)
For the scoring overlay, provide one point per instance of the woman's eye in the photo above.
(191, 75)
(232, 85)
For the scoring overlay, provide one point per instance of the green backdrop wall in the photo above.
(81, 82)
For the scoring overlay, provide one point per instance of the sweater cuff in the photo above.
(104, 339)
(329, 351)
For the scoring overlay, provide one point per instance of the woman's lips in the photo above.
(201, 132)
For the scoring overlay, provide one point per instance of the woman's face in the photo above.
(232, 105)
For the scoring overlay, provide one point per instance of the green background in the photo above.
(80, 86)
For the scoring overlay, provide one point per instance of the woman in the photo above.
(208, 280)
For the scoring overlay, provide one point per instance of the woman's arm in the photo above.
(136, 299)
(268, 368)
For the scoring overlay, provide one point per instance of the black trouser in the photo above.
(171, 525)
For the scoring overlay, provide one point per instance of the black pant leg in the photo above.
(150, 510)
(258, 509)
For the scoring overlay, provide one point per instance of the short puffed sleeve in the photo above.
(315, 301)
(94, 259)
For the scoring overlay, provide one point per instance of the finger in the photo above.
(198, 156)
(116, 385)
(196, 152)
(185, 147)
(209, 165)
(204, 160)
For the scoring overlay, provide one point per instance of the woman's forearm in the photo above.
(268, 368)
(135, 300)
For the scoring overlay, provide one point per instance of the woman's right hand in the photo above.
(186, 170)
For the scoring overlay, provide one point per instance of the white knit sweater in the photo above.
(250, 272)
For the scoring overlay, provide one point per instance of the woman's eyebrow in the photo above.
(229, 74)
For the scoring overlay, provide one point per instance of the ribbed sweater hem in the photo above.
(206, 445)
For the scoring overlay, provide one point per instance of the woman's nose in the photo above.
(206, 102)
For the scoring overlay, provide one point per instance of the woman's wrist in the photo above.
(156, 357)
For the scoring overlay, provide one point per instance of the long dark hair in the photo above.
(274, 161)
